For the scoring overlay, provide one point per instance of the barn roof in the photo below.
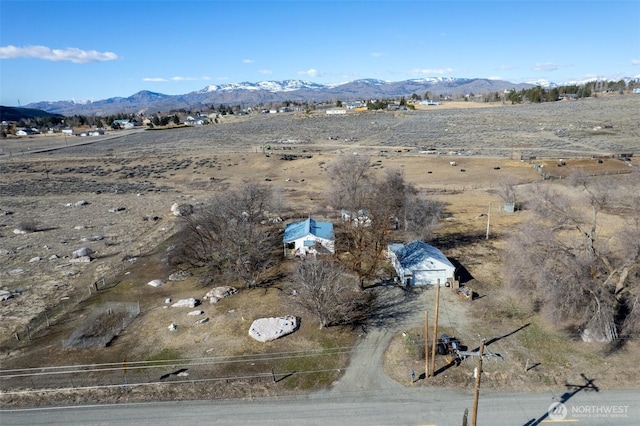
(416, 252)
(296, 230)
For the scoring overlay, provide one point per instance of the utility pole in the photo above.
(476, 393)
(426, 345)
(435, 330)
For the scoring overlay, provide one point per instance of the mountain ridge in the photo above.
(249, 94)
(18, 113)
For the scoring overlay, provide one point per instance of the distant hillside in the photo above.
(264, 92)
(17, 113)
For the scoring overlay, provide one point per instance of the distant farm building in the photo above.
(196, 121)
(123, 124)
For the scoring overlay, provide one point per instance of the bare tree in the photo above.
(507, 189)
(385, 202)
(577, 274)
(422, 216)
(364, 243)
(329, 293)
(349, 177)
(230, 236)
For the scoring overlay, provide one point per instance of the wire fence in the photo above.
(257, 367)
(110, 277)
(54, 314)
(102, 325)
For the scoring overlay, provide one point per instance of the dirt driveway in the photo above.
(402, 310)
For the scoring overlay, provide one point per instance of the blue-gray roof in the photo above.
(415, 252)
(296, 230)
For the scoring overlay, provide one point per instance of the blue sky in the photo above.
(91, 50)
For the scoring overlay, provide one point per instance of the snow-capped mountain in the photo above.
(270, 86)
(263, 92)
(542, 83)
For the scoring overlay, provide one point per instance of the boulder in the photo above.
(181, 209)
(155, 283)
(267, 329)
(179, 276)
(217, 293)
(195, 313)
(186, 303)
(82, 252)
(172, 327)
(94, 238)
(4, 295)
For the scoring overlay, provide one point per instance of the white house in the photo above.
(195, 121)
(417, 264)
(123, 124)
(308, 237)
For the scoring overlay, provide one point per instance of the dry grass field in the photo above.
(130, 180)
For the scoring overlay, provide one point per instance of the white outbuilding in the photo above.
(418, 264)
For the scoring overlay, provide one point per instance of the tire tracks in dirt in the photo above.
(400, 310)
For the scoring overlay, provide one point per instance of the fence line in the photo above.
(110, 278)
(113, 316)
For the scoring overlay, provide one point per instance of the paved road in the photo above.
(417, 406)
(21, 147)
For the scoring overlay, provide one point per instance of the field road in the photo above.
(411, 406)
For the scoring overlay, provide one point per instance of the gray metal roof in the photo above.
(416, 252)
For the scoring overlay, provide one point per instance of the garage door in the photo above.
(430, 277)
